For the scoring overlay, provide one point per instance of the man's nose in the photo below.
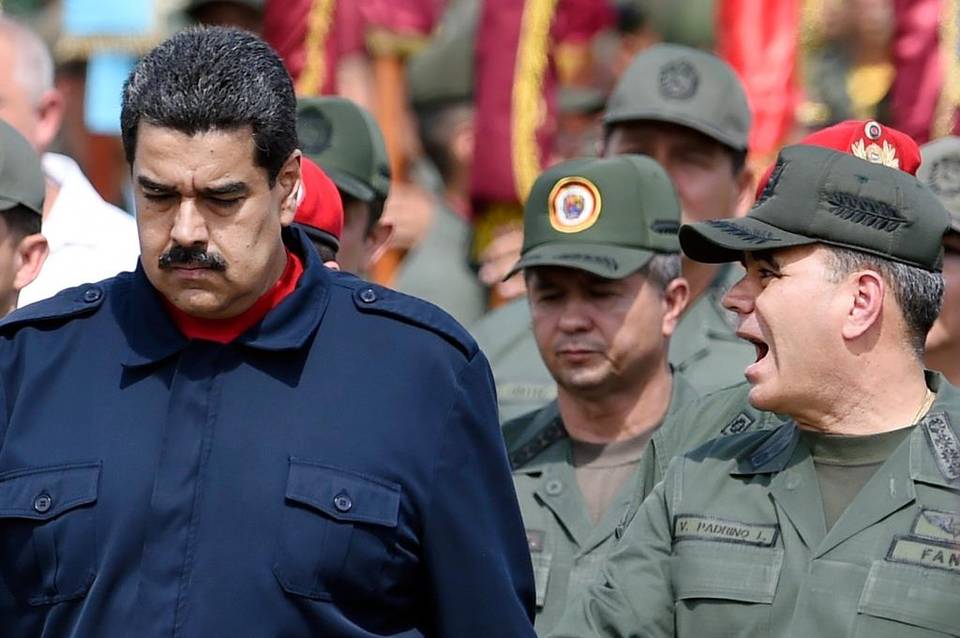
(189, 226)
(740, 298)
(575, 315)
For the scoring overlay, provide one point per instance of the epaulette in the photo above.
(371, 298)
(530, 434)
(72, 302)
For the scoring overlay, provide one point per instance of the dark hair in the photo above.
(325, 250)
(436, 125)
(374, 208)
(21, 221)
(210, 78)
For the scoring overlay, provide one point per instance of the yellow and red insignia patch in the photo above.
(574, 205)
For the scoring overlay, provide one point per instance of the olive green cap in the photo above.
(940, 171)
(819, 195)
(346, 141)
(677, 84)
(21, 175)
(442, 73)
(608, 216)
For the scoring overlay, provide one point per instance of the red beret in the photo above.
(320, 211)
(867, 140)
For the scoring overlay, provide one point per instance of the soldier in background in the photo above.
(687, 110)
(22, 248)
(346, 142)
(940, 171)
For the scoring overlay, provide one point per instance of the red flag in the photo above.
(312, 36)
(919, 66)
(759, 39)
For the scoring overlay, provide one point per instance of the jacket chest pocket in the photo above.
(907, 600)
(48, 549)
(724, 589)
(338, 533)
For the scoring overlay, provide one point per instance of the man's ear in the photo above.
(746, 191)
(867, 290)
(31, 253)
(50, 109)
(288, 181)
(675, 298)
(375, 243)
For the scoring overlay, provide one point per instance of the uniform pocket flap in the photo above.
(726, 572)
(342, 494)
(43, 493)
(924, 597)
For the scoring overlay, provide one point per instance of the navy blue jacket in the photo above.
(338, 470)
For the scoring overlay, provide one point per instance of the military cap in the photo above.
(21, 174)
(940, 171)
(608, 216)
(820, 195)
(677, 84)
(320, 210)
(347, 143)
(866, 139)
(442, 73)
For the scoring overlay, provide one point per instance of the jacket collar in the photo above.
(152, 335)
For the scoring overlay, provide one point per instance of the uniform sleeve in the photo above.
(634, 596)
(474, 542)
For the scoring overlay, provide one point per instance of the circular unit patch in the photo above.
(872, 130)
(678, 80)
(574, 205)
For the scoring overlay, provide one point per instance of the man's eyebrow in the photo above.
(768, 258)
(230, 188)
(146, 182)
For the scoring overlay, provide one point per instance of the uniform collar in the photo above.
(153, 336)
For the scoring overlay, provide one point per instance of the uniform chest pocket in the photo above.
(901, 599)
(338, 533)
(719, 586)
(48, 548)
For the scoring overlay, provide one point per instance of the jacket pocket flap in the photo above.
(726, 572)
(919, 596)
(342, 494)
(43, 493)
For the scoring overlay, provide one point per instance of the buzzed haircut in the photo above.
(21, 221)
(214, 78)
(33, 63)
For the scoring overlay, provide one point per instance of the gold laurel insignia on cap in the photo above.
(574, 205)
(873, 152)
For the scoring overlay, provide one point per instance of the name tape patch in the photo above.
(937, 525)
(919, 551)
(690, 527)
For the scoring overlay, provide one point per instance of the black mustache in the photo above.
(192, 256)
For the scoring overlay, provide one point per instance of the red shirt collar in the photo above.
(226, 330)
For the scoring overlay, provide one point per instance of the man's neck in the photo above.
(892, 396)
(945, 360)
(620, 415)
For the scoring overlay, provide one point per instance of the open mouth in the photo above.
(761, 347)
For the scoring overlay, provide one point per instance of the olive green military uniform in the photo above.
(733, 543)
(735, 540)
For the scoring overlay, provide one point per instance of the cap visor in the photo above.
(7, 204)
(351, 185)
(603, 260)
(722, 240)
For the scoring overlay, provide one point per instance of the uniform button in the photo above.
(43, 503)
(92, 295)
(367, 295)
(554, 487)
(342, 502)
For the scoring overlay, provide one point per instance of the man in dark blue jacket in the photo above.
(234, 440)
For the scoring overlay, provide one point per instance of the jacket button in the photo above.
(43, 503)
(342, 502)
(554, 487)
(92, 295)
(367, 295)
